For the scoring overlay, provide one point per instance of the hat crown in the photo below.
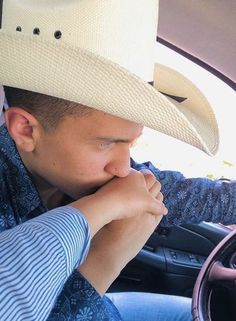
(76, 50)
(123, 31)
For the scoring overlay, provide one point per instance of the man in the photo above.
(71, 142)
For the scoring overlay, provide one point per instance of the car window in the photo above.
(169, 153)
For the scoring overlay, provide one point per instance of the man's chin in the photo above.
(87, 192)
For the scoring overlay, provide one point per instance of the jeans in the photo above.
(139, 306)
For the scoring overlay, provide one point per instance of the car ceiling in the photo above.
(204, 31)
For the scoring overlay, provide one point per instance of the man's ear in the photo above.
(21, 126)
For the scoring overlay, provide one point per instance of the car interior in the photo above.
(176, 259)
(194, 260)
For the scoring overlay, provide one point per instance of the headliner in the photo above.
(204, 29)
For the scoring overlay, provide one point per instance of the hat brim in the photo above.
(81, 76)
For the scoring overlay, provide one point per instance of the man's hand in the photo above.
(120, 198)
(119, 241)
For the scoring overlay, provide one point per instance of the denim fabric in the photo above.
(141, 306)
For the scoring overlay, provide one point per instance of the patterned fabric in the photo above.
(79, 301)
(19, 199)
(188, 201)
(19, 202)
(194, 200)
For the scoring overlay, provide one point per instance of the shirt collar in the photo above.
(24, 197)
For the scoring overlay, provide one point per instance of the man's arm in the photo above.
(36, 259)
(193, 200)
(39, 256)
(135, 203)
(111, 249)
(120, 241)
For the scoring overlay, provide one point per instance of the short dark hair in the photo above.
(48, 110)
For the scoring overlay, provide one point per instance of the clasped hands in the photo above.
(122, 215)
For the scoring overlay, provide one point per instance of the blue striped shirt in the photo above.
(36, 259)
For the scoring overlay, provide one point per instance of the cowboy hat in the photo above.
(100, 53)
(1, 104)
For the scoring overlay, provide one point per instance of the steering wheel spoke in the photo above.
(221, 274)
(216, 284)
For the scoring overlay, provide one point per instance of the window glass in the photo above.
(168, 153)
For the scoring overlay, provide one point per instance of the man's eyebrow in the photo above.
(117, 139)
(113, 140)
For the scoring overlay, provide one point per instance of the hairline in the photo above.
(39, 105)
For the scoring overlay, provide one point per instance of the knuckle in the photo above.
(160, 196)
(158, 184)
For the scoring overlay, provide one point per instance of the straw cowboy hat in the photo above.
(100, 53)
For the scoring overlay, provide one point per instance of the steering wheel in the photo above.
(214, 294)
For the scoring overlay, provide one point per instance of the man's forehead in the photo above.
(117, 124)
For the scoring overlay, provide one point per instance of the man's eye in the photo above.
(105, 145)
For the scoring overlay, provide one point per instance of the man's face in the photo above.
(85, 152)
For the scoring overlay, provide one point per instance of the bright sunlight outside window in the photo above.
(168, 153)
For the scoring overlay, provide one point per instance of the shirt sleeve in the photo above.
(36, 259)
(193, 200)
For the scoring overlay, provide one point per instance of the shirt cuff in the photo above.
(71, 229)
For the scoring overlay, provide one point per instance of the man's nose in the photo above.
(119, 166)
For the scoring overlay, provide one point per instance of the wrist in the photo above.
(99, 271)
(94, 210)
